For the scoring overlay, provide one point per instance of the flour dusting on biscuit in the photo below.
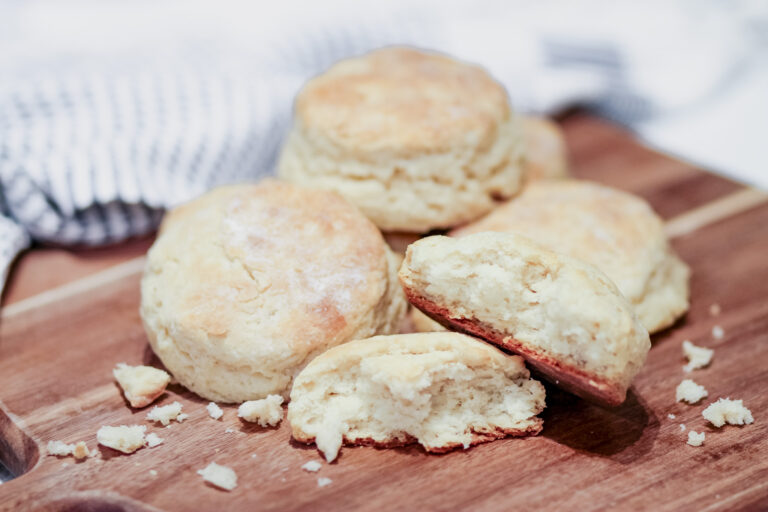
(248, 283)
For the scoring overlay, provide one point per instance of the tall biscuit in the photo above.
(613, 230)
(565, 317)
(248, 283)
(546, 156)
(417, 140)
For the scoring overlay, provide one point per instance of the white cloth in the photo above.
(112, 111)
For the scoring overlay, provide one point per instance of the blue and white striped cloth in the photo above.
(112, 112)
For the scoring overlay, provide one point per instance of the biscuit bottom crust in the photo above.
(568, 377)
(477, 438)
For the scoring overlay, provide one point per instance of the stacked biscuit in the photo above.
(289, 287)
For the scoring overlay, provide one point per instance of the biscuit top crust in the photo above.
(269, 270)
(615, 231)
(403, 101)
(392, 357)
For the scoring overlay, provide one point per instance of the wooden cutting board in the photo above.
(70, 316)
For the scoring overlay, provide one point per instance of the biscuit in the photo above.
(248, 283)
(417, 140)
(422, 323)
(615, 231)
(443, 390)
(545, 155)
(564, 316)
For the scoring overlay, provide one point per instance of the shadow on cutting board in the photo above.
(623, 433)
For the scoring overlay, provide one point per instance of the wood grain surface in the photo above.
(69, 316)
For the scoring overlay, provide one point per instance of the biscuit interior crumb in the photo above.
(78, 450)
(312, 466)
(59, 448)
(323, 481)
(164, 414)
(689, 391)
(81, 451)
(698, 357)
(153, 440)
(124, 438)
(727, 411)
(221, 476)
(696, 438)
(214, 411)
(267, 412)
(141, 384)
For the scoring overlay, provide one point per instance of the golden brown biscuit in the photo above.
(248, 283)
(613, 230)
(417, 140)
(442, 390)
(545, 153)
(565, 317)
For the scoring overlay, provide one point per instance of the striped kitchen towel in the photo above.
(111, 113)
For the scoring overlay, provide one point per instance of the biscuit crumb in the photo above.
(727, 411)
(154, 440)
(81, 451)
(78, 450)
(253, 456)
(265, 412)
(671, 416)
(221, 476)
(59, 448)
(126, 439)
(682, 427)
(714, 309)
(214, 411)
(166, 413)
(698, 357)
(181, 417)
(152, 472)
(312, 466)
(718, 332)
(323, 481)
(141, 385)
(689, 391)
(229, 431)
(65, 464)
(696, 438)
